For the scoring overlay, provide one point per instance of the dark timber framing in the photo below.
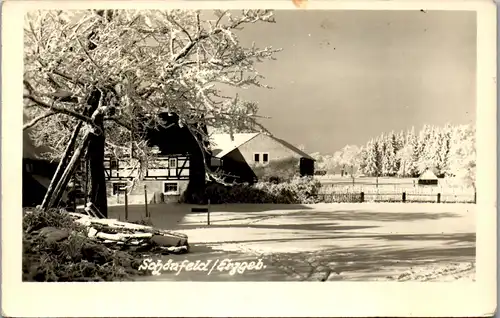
(181, 171)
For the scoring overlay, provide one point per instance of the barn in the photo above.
(243, 155)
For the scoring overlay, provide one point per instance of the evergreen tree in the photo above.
(405, 157)
(400, 140)
(422, 162)
(462, 154)
(381, 144)
(412, 164)
(432, 149)
(372, 157)
(455, 145)
(449, 150)
(389, 166)
(363, 155)
(444, 150)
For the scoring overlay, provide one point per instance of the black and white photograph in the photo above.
(253, 144)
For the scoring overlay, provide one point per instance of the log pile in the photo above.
(132, 237)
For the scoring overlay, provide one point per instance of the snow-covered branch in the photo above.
(34, 121)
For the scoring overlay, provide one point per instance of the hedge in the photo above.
(297, 191)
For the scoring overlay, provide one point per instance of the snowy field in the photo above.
(334, 242)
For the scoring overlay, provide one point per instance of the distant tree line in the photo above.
(450, 151)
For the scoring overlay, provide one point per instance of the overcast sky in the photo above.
(346, 76)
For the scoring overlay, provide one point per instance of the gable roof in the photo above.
(428, 175)
(293, 148)
(222, 143)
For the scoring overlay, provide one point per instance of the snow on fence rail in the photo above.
(355, 197)
(384, 187)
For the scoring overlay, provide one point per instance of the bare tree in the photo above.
(116, 71)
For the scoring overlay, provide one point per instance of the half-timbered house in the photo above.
(178, 167)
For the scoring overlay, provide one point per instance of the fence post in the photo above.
(126, 205)
(146, 200)
(404, 197)
(362, 197)
(208, 213)
(439, 198)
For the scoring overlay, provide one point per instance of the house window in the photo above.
(172, 163)
(170, 188)
(262, 155)
(113, 164)
(265, 157)
(119, 187)
(256, 157)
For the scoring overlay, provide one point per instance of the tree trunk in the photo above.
(97, 190)
(70, 168)
(59, 170)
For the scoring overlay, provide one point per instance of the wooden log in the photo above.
(113, 224)
(61, 184)
(123, 236)
(162, 240)
(60, 169)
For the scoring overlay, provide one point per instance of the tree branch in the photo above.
(118, 122)
(180, 27)
(37, 119)
(88, 55)
(62, 74)
(59, 110)
(187, 49)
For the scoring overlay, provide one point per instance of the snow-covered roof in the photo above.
(428, 175)
(222, 144)
(293, 148)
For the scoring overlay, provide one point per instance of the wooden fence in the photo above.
(404, 197)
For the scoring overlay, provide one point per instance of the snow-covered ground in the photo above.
(349, 242)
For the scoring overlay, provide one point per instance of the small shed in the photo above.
(428, 177)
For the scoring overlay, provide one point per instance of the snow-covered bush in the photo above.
(296, 191)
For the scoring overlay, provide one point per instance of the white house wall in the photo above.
(136, 195)
(265, 144)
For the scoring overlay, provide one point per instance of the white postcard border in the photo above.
(248, 299)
